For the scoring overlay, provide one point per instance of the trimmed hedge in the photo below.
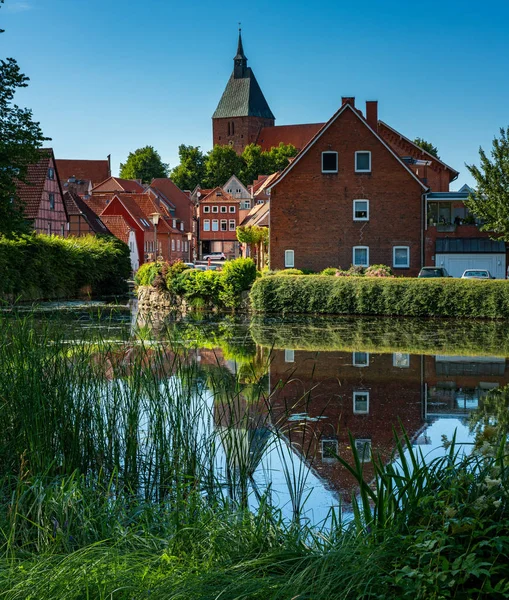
(382, 296)
(37, 267)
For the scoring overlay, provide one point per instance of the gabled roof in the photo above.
(319, 134)
(218, 195)
(243, 97)
(30, 194)
(383, 127)
(115, 184)
(258, 215)
(263, 188)
(175, 195)
(237, 181)
(118, 226)
(77, 206)
(297, 135)
(98, 203)
(88, 170)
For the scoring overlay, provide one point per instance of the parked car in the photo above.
(433, 272)
(477, 274)
(214, 256)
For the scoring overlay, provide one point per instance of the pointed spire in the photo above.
(240, 48)
(240, 60)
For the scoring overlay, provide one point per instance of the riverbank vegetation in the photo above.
(36, 267)
(314, 294)
(201, 289)
(126, 471)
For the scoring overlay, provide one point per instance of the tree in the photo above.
(20, 140)
(257, 238)
(278, 157)
(255, 162)
(427, 146)
(222, 162)
(145, 164)
(490, 202)
(191, 170)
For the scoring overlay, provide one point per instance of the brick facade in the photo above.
(312, 213)
(219, 209)
(238, 131)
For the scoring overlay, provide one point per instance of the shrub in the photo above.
(236, 277)
(201, 288)
(330, 271)
(382, 296)
(42, 266)
(379, 271)
(289, 272)
(146, 274)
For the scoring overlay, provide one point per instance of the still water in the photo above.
(312, 388)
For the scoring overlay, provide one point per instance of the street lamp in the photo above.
(190, 242)
(154, 217)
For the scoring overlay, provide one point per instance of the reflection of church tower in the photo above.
(242, 110)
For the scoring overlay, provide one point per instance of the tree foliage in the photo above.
(20, 140)
(145, 164)
(255, 237)
(490, 202)
(427, 146)
(191, 170)
(217, 166)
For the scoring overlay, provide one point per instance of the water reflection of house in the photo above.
(454, 385)
(323, 397)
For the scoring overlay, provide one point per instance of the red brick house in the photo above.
(218, 222)
(347, 198)
(80, 176)
(42, 196)
(82, 219)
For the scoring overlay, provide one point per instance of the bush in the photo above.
(201, 288)
(289, 272)
(146, 274)
(237, 276)
(329, 271)
(382, 296)
(42, 266)
(378, 271)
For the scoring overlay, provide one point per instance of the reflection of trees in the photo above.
(490, 422)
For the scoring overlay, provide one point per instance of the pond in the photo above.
(273, 402)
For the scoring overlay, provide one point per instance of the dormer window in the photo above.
(51, 173)
(329, 162)
(363, 162)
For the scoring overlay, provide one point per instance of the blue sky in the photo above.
(109, 76)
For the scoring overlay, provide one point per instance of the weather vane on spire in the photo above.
(240, 26)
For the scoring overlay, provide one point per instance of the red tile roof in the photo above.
(89, 170)
(30, 194)
(77, 206)
(97, 203)
(218, 195)
(141, 206)
(115, 184)
(298, 135)
(118, 226)
(175, 195)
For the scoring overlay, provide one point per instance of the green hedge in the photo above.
(37, 267)
(382, 296)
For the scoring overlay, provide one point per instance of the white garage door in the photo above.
(457, 263)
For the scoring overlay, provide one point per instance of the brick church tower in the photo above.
(242, 110)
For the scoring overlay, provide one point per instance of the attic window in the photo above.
(329, 162)
(52, 201)
(51, 173)
(219, 193)
(363, 162)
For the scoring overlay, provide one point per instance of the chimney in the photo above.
(372, 114)
(348, 100)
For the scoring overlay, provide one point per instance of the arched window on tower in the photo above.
(233, 127)
(229, 128)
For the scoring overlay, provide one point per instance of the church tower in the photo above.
(242, 110)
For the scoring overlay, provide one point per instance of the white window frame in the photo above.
(366, 218)
(181, 225)
(364, 394)
(173, 245)
(360, 364)
(206, 224)
(289, 355)
(225, 222)
(174, 223)
(232, 225)
(337, 162)
(178, 245)
(224, 209)
(326, 457)
(367, 255)
(215, 209)
(232, 209)
(363, 170)
(394, 265)
(289, 258)
(206, 209)
(360, 446)
(215, 225)
(401, 360)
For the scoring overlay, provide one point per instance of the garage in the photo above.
(459, 254)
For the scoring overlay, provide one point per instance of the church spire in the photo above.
(240, 60)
